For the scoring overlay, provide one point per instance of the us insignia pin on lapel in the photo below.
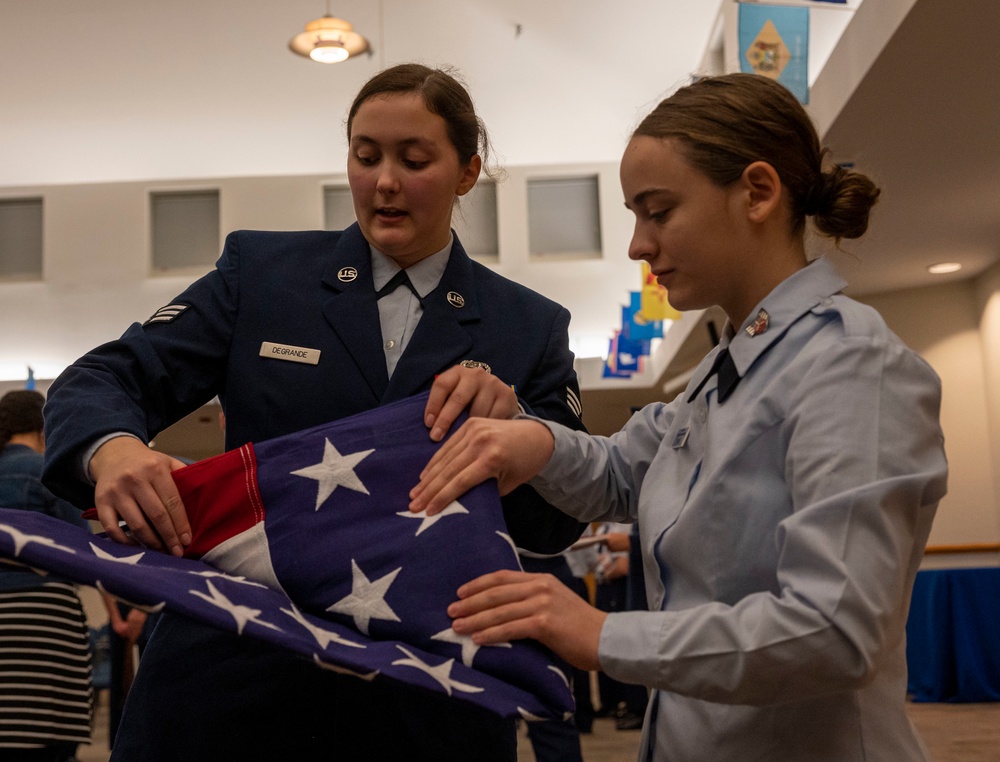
(758, 326)
(347, 274)
(455, 299)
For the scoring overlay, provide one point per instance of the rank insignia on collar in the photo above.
(347, 274)
(759, 325)
(456, 300)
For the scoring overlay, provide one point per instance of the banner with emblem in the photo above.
(306, 542)
(642, 321)
(636, 327)
(774, 42)
(624, 357)
(610, 369)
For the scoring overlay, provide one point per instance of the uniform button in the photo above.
(390, 344)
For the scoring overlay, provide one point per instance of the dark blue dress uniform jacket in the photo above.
(202, 694)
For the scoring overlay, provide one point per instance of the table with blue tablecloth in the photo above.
(953, 636)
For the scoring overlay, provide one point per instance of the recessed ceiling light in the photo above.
(944, 267)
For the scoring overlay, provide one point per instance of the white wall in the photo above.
(98, 276)
(98, 280)
(945, 324)
(987, 303)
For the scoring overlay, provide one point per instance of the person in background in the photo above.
(292, 330)
(555, 741)
(624, 702)
(45, 662)
(784, 500)
(128, 632)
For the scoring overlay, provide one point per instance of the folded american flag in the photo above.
(305, 541)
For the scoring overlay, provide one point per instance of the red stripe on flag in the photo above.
(221, 497)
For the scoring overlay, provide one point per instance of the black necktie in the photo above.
(397, 280)
(728, 376)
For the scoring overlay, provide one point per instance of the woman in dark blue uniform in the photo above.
(295, 329)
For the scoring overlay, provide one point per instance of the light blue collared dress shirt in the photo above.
(400, 311)
(781, 532)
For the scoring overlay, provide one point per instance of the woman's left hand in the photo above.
(508, 605)
(509, 451)
(460, 388)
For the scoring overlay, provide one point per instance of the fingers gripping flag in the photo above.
(305, 541)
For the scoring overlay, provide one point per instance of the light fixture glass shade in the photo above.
(329, 51)
(943, 268)
(328, 40)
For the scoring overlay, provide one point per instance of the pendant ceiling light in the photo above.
(328, 40)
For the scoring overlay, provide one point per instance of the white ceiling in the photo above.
(109, 90)
(105, 90)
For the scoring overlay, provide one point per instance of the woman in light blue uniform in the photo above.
(784, 500)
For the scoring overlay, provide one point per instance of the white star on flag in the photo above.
(323, 637)
(528, 716)
(429, 521)
(132, 560)
(369, 676)
(469, 646)
(367, 598)
(335, 470)
(561, 674)
(242, 614)
(441, 673)
(21, 539)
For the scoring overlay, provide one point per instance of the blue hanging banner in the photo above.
(635, 327)
(622, 361)
(774, 42)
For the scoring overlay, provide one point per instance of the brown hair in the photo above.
(443, 95)
(20, 413)
(726, 123)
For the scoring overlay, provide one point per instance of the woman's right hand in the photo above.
(133, 484)
(483, 448)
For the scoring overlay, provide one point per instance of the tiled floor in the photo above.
(952, 732)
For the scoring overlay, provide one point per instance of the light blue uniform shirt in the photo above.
(781, 533)
(400, 311)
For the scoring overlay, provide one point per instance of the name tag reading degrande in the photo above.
(290, 353)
